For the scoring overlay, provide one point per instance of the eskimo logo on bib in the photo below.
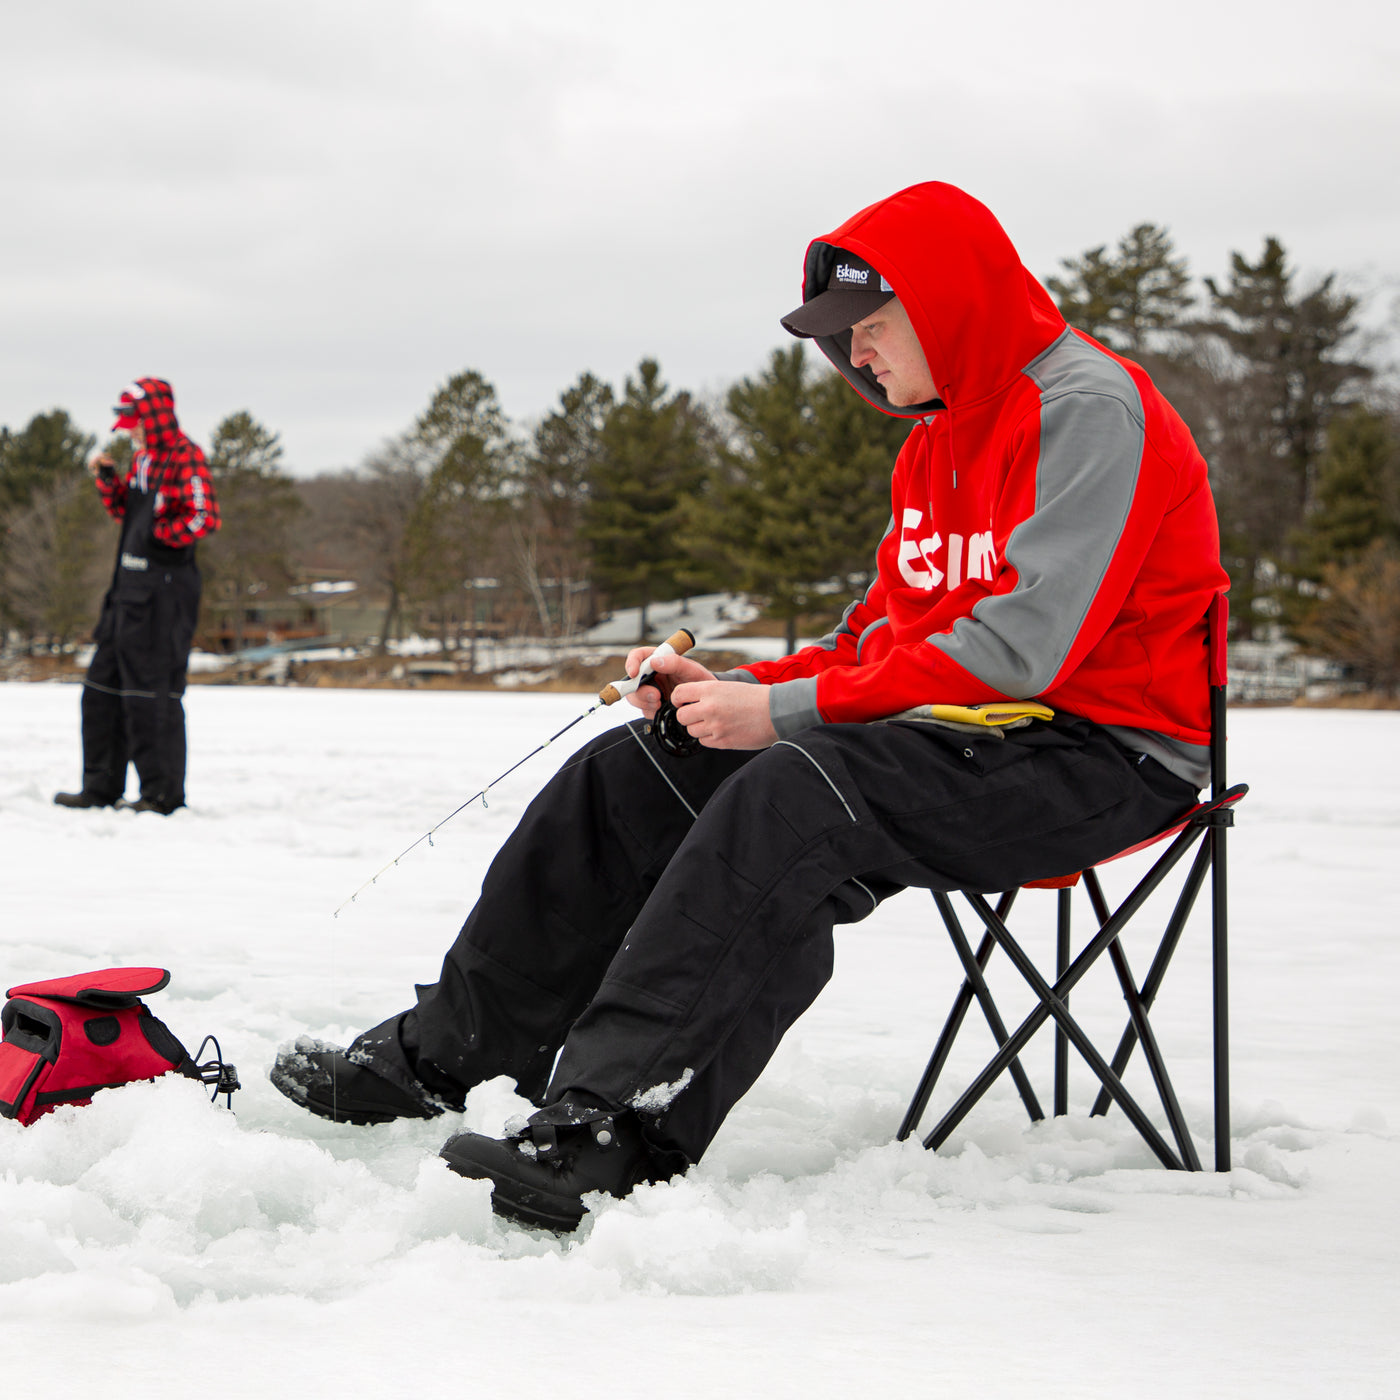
(963, 558)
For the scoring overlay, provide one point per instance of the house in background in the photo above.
(339, 612)
(333, 611)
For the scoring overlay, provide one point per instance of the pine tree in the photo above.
(250, 554)
(52, 564)
(1124, 299)
(806, 495)
(49, 449)
(461, 448)
(1283, 376)
(1347, 606)
(655, 457)
(763, 520)
(861, 444)
(547, 512)
(1087, 297)
(1358, 491)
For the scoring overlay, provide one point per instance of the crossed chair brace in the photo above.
(1204, 828)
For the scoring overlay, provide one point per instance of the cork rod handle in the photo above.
(677, 644)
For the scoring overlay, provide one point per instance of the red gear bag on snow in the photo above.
(66, 1038)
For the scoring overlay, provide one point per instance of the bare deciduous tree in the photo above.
(58, 561)
(1357, 622)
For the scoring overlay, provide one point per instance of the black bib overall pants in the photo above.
(132, 708)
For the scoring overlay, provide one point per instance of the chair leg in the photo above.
(1157, 972)
(973, 985)
(1062, 956)
(1014, 1045)
(983, 993)
(1153, 1055)
(1052, 1000)
(939, 1058)
(1221, 986)
(1051, 1004)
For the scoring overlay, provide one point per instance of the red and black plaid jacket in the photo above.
(173, 467)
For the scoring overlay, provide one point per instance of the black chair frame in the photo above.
(1203, 828)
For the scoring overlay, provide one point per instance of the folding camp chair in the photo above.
(1203, 827)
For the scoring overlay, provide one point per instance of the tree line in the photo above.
(641, 493)
(1281, 389)
(615, 498)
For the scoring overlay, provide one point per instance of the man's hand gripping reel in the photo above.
(666, 728)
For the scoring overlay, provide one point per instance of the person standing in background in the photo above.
(132, 709)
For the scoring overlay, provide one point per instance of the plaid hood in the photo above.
(152, 403)
(171, 465)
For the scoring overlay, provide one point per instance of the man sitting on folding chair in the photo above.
(1034, 649)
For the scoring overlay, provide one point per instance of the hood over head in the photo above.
(149, 403)
(979, 314)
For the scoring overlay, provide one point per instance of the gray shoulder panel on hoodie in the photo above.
(1092, 435)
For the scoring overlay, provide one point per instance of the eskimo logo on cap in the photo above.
(857, 275)
(853, 291)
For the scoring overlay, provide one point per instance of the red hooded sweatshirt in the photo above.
(1053, 534)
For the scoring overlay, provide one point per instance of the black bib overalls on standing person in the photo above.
(132, 705)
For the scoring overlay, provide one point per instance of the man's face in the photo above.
(886, 342)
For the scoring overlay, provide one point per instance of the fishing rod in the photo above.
(677, 644)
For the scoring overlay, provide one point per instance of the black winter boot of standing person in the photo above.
(83, 799)
(150, 804)
(542, 1170)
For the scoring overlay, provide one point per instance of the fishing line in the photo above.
(675, 645)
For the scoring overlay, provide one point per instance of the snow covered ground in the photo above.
(152, 1245)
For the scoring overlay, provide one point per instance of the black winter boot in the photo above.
(83, 799)
(150, 804)
(544, 1168)
(320, 1078)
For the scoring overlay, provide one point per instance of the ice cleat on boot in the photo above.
(325, 1081)
(543, 1168)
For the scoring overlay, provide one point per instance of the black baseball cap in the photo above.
(854, 290)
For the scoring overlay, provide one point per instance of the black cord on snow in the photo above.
(223, 1077)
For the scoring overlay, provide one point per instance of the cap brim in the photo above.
(125, 422)
(833, 311)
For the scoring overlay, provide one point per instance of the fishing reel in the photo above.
(671, 735)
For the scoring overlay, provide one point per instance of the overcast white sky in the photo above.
(317, 210)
